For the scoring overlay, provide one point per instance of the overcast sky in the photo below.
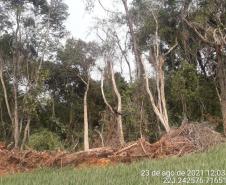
(80, 22)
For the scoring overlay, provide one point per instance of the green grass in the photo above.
(123, 174)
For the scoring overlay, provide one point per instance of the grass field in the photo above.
(209, 168)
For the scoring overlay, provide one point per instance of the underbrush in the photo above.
(44, 140)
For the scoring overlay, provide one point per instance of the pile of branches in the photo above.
(188, 138)
(13, 161)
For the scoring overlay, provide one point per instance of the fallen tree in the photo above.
(189, 138)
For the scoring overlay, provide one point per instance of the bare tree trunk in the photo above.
(118, 113)
(3, 123)
(159, 108)
(157, 59)
(221, 73)
(26, 132)
(162, 115)
(16, 60)
(163, 97)
(16, 116)
(101, 136)
(5, 95)
(124, 56)
(184, 106)
(53, 109)
(103, 94)
(134, 40)
(70, 115)
(86, 124)
(119, 107)
(141, 118)
(21, 125)
(223, 110)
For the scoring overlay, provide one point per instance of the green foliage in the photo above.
(56, 102)
(5, 45)
(185, 83)
(182, 89)
(191, 93)
(44, 140)
(138, 116)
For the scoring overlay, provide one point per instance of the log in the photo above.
(80, 157)
(126, 148)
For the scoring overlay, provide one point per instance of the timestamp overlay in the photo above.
(188, 176)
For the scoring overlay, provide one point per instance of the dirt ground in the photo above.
(188, 138)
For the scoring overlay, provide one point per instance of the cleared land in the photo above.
(188, 138)
(125, 174)
(174, 153)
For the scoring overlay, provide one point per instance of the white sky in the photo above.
(80, 22)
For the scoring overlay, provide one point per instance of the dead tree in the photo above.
(86, 123)
(85, 114)
(157, 60)
(124, 55)
(116, 113)
(26, 132)
(5, 90)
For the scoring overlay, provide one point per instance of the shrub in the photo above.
(44, 140)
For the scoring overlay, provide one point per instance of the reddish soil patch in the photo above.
(186, 139)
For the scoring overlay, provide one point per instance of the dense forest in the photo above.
(153, 66)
